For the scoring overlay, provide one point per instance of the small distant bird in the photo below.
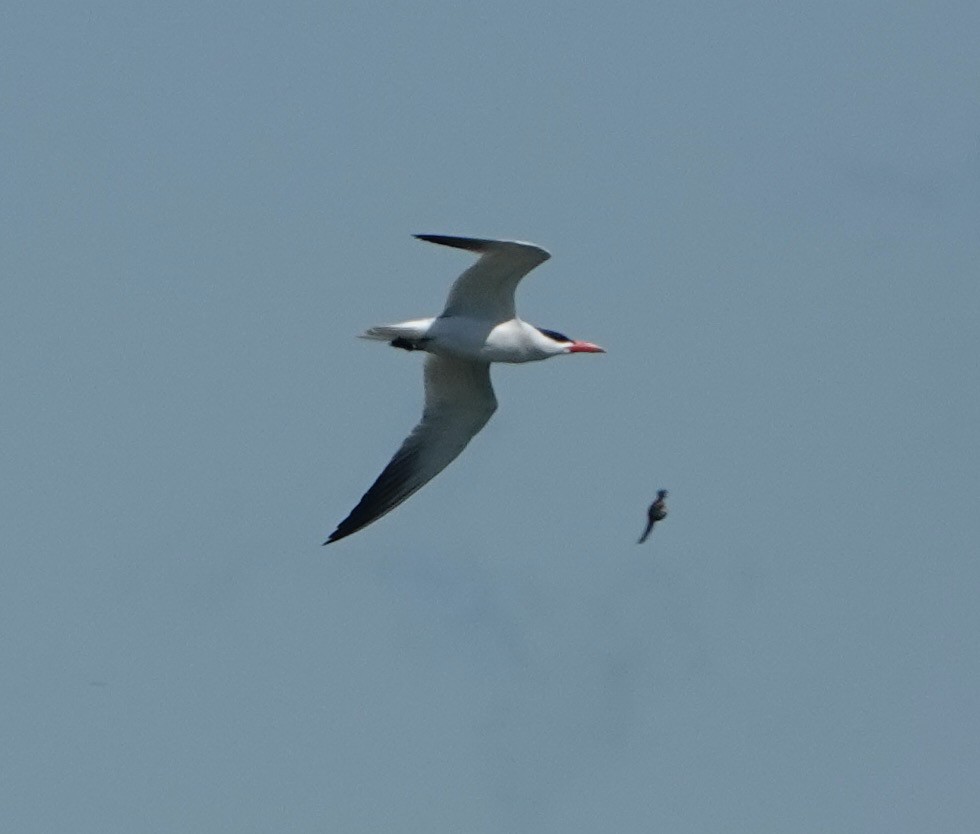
(479, 325)
(657, 512)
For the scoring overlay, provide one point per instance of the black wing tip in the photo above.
(481, 245)
(471, 244)
(339, 534)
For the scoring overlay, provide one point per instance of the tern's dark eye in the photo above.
(554, 334)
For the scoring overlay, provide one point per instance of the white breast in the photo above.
(510, 341)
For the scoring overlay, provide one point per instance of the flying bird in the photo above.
(479, 325)
(656, 512)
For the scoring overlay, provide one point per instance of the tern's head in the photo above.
(560, 343)
(661, 494)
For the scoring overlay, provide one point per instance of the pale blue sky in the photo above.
(768, 214)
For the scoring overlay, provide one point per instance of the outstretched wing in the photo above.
(459, 400)
(486, 290)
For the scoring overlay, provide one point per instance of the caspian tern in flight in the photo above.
(478, 326)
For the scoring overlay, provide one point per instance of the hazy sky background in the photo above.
(768, 214)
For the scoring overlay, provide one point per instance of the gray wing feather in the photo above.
(486, 289)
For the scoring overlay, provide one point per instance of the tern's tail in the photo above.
(410, 330)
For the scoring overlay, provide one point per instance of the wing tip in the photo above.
(336, 536)
(478, 244)
(470, 243)
(350, 525)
